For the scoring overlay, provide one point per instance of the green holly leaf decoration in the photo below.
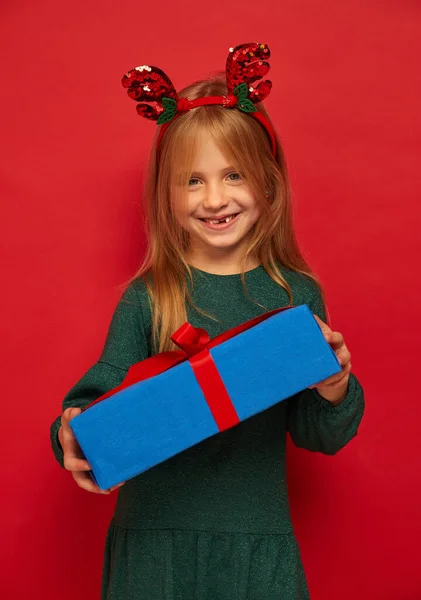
(165, 117)
(246, 106)
(241, 91)
(169, 103)
(170, 108)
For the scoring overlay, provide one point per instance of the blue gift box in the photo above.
(149, 421)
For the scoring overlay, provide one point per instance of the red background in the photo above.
(346, 104)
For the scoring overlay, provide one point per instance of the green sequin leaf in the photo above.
(241, 91)
(169, 103)
(246, 106)
(170, 106)
(165, 117)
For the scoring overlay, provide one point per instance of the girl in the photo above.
(213, 522)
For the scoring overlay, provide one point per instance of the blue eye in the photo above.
(193, 181)
(234, 176)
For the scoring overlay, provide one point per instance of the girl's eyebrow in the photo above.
(200, 174)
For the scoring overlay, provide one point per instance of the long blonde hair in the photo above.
(272, 239)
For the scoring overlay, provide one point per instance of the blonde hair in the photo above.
(272, 239)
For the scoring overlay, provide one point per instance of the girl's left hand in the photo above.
(334, 389)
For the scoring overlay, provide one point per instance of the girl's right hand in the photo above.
(73, 456)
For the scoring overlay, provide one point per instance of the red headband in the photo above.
(245, 64)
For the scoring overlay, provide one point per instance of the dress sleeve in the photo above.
(126, 344)
(313, 422)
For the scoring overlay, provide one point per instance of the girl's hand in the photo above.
(73, 456)
(335, 388)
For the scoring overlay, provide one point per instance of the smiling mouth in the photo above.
(219, 221)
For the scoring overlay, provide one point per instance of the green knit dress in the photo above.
(213, 522)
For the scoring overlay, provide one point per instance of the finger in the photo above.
(333, 383)
(337, 384)
(336, 340)
(73, 456)
(325, 328)
(115, 487)
(68, 415)
(339, 376)
(343, 356)
(334, 378)
(75, 464)
(86, 483)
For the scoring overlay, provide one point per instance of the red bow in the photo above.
(195, 344)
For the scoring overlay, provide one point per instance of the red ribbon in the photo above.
(195, 344)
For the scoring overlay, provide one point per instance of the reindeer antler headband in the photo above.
(245, 64)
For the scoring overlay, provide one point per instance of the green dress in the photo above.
(213, 522)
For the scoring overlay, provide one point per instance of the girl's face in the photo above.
(220, 209)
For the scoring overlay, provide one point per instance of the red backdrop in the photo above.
(346, 103)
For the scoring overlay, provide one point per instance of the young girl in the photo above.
(213, 523)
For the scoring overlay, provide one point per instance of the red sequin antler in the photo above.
(246, 64)
(150, 84)
(160, 102)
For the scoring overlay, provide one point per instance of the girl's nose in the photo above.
(214, 198)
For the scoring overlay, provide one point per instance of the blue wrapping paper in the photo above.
(148, 422)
